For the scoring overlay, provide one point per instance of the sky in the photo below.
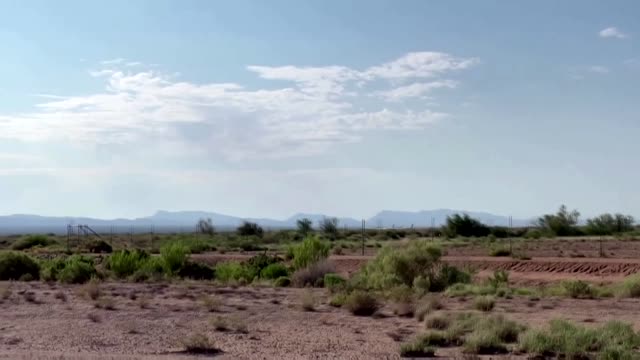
(270, 108)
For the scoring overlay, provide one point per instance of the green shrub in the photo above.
(98, 247)
(490, 334)
(446, 276)
(174, 257)
(533, 234)
(484, 303)
(232, 271)
(402, 265)
(579, 289)
(500, 251)
(416, 349)
(426, 306)
(630, 287)
(274, 271)
(282, 281)
(313, 275)
(196, 271)
(124, 263)
(567, 340)
(32, 241)
(334, 282)
(151, 269)
(361, 303)
(437, 322)
(338, 300)
(77, 270)
(13, 265)
(257, 263)
(309, 252)
(500, 278)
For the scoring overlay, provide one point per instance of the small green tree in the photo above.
(309, 252)
(305, 226)
(562, 223)
(329, 227)
(250, 229)
(205, 226)
(465, 225)
(607, 224)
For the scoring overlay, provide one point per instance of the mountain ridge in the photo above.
(185, 220)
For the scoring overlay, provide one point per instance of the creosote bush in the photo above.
(484, 303)
(15, 265)
(361, 303)
(32, 241)
(563, 339)
(309, 252)
(75, 269)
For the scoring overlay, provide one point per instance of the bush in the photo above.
(313, 275)
(124, 263)
(282, 281)
(77, 270)
(484, 303)
(334, 282)
(257, 263)
(490, 335)
(500, 251)
(310, 251)
(533, 234)
(151, 269)
(464, 225)
(499, 278)
(274, 271)
(199, 344)
(426, 306)
(416, 349)
(232, 271)
(98, 247)
(13, 265)
(308, 301)
(250, 229)
(415, 265)
(361, 303)
(32, 241)
(437, 322)
(578, 289)
(630, 287)
(196, 271)
(566, 340)
(174, 257)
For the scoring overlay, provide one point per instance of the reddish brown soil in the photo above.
(277, 327)
(534, 270)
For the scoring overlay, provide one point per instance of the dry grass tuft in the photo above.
(211, 303)
(308, 301)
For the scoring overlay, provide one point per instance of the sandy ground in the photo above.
(48, 327)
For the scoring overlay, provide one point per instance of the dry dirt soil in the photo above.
(37, 322)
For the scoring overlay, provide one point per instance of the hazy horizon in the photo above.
(267, 109)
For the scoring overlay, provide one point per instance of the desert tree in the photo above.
(329, 227)
(562, 223)
(608, 224)
(465, 225)
(304, 226)
(205, 226)
(248, 228)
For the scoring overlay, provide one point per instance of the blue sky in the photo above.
(258, 108)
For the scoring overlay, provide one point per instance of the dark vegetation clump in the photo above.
(15, 265)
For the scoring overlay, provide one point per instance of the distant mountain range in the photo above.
(166, 221)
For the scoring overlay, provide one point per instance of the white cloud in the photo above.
(324, 106)
(598, 69)
(612, 32)
(115, 61)
(415, 90)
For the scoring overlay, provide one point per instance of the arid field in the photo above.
(178, 318)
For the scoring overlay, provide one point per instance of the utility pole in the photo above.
(363, 235)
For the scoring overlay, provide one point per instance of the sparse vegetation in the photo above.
(32, 241)
(199, 344)
(14, 265)
(484, 303)
(567, 340)
(313, 275)
(211, 303)
(361, 303)
(309, 252)
(308, 301)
